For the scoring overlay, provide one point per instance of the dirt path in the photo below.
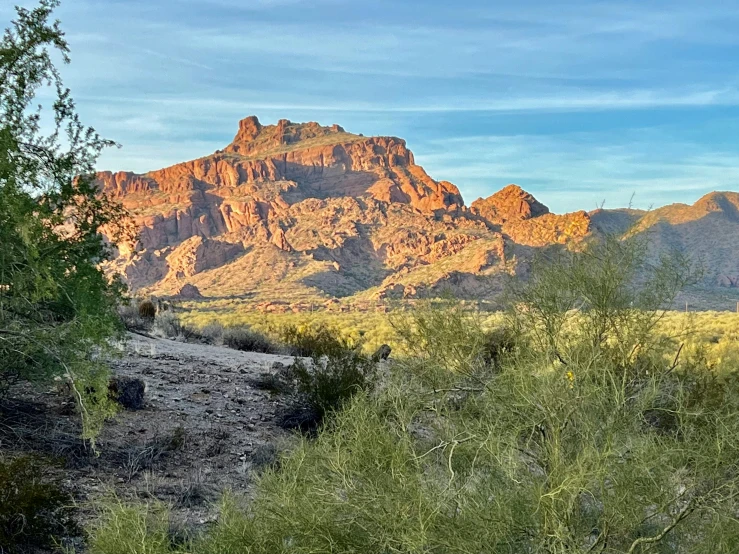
(205, 427)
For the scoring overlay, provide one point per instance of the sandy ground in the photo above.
(205, 427)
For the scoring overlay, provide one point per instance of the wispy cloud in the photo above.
(560, 97)
(556, 101)
(582, 170)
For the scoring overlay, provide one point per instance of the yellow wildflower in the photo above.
(571, 378)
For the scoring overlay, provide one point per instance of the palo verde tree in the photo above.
(57, 308)
(579, 430)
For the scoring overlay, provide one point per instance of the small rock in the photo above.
(382, 353)
(128, 392)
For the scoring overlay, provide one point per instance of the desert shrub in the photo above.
(57, 308)
(316, 340)
(336, 371)
(124, 528)
(443, 340)
(497, 343)
(604, 301)
(328, 381)
(212, 332)
(248, 340)
(372, 326)
(573, 443)
(169, 325)
(35, 511)
(147, 310)
(131, 319)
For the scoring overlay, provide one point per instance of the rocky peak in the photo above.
(725, 202)
(249, 129)
(253, 138)
(511, 203)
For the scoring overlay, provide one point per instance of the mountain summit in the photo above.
(299, 212)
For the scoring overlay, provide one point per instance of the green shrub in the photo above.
(316, 340)
(606, 301)
(213, 332)
(444, 341)
(496, 345)
(248, 340)
(147, 310)
(170, 326)
(35, 511)
(589, 435)
(132, 529)
(337, 370)
(57, 308)
(327, 382)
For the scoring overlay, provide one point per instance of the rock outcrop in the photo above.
(300, 210)
(189, 292)
(511, 203)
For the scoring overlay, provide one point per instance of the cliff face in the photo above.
(511, 203)
(302, 211)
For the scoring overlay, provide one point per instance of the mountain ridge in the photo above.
(297, 211)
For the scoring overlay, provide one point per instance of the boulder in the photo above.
(128, 392)
(189, 292)
(382, 353)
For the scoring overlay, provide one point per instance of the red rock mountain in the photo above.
(299, 213)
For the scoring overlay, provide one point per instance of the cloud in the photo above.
(581, 170)
(560, 97)
(557, 101)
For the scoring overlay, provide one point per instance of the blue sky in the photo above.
(578, 102)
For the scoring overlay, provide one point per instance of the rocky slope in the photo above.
(295, 213)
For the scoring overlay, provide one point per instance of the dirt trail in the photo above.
(204, 427)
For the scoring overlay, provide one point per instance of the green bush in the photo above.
(444, 341)
(35, 511)
(57, 307)
(248, 340)
(213, 332)
(132, 529)
(147, 310)
(316, 340)
(578, 431)
(327, 382)
(169, 325)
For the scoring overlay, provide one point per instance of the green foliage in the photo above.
(56, 307)
(445, 340)
(336, 370)
(132, 529)
(147, 310)
(169, 325)
(248, 340)
(372, 327)
(35, 512)
(330, 380)
(578, 429)
(606, 300)
(316, 340)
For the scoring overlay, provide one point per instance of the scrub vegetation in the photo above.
(576, 424)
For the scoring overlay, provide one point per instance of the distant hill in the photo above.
(296, 214)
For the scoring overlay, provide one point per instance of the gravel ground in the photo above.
(205, 427)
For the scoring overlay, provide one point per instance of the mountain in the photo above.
(297, 213)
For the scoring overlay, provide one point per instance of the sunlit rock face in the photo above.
(333, 213)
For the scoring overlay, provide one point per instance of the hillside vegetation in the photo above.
(573, 425)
